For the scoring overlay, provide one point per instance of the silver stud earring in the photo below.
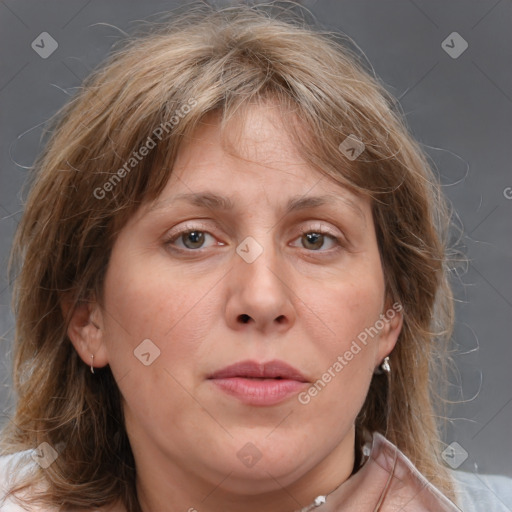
(92, 361)
(384, 367)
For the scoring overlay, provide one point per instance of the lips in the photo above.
(261, 384)
(253, 370)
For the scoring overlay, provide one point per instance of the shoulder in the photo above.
(477, 492)
(473, 492)
(12, 468)
(15, 466)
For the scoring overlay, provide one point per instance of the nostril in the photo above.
(245, 318)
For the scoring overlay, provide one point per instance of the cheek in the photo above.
(147, 302)
(344, 309)
(345, 343)
(141, 306)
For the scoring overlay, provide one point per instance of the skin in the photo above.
(306, 303)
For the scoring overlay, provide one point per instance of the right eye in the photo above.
(191, 239)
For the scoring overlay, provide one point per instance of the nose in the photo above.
(260, 294)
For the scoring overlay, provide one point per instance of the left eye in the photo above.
(316, 239)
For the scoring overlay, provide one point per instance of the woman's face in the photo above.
(194, 287)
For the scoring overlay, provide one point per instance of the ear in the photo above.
(86, 331)
(392, 318)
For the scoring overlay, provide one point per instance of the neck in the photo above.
(166, 486)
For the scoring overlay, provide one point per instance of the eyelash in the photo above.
(188, 229)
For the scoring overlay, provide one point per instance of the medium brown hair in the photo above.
(222, 61)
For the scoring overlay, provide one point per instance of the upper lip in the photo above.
(253, 369)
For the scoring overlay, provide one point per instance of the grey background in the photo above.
(459, 109)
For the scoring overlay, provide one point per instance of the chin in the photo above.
(260, 479)
(255, 472)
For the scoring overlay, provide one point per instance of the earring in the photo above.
(92, 361)
(384, 367)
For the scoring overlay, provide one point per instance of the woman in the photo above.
(231, 288)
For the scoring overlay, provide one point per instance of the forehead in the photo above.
(255, 134)
(249, 158)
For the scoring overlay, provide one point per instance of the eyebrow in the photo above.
(214, 201)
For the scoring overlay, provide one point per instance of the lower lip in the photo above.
(259, 391)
